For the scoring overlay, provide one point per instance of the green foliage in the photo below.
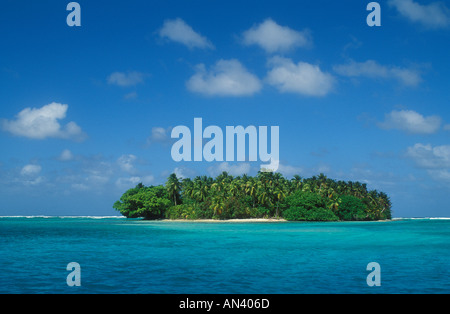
(307, 200)
(146, 202)
(262, 212)
(294, 214)
(307, 206)
(314, 214)
(351, 208)
(173, 187)
(267, 195)
(183, 211)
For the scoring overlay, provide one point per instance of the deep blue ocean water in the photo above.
(118, 255)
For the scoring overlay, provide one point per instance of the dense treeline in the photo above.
(268, 195)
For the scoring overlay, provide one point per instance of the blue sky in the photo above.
(86, 112)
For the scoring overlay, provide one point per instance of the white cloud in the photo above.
(429, 157)
(234, 170)
(272, 167)
(286, 170)
(129, 182)
(132, 95)
(177, 30)
(89, 173)
(125, 163)
(41, 123)
(126, 79)
(183, 172)
(302, 78)
(436, 160)
(275, 38)
(179, 173)
(372, 69)
(433, 15)
(411, 122)
(226, 78)
(440, 174)
(66, 155)
(30, 170)
(30, 175)
(160, 135)
(34, 181)
(80, 187)
(132, 181)
(98, 171)
(289, 171)
(98, 174)
(97, 178)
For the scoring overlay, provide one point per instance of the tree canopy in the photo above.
(267, 195)
(146, 202)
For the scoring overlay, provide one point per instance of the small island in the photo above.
(268, 195)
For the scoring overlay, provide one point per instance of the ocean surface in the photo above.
(118, 255)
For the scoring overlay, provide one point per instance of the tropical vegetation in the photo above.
(267, 195)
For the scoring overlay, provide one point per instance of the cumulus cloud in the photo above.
(440, 174)
(66, 155)
(31, 170)
(288, 170)
(427, 156)
(160, 135)
(433, 15)
(183, 172)
(95, 173)
(126, 163)
(411, 122)
(372, 69)
(179, 173)
(178, 31)
(126, 79)
(302, 78)
(275, 38)
(41, 123)
(436, 160)
(30, 175)
(226, 78)
(234, 170)
(272, 167)
(129, 182)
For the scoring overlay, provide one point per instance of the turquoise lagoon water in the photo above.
(118, 255)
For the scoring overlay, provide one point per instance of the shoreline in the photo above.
(216, 220)
(224, 220)
(260, 220)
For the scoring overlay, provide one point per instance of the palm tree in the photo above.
(235, 187)
(296, 183)
(251, 190)
(267, 190)
(173, 187)
(202, 186)
(280, 190)
(187, 187)
(217, 203)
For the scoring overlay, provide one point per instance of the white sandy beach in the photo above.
(228, 220)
